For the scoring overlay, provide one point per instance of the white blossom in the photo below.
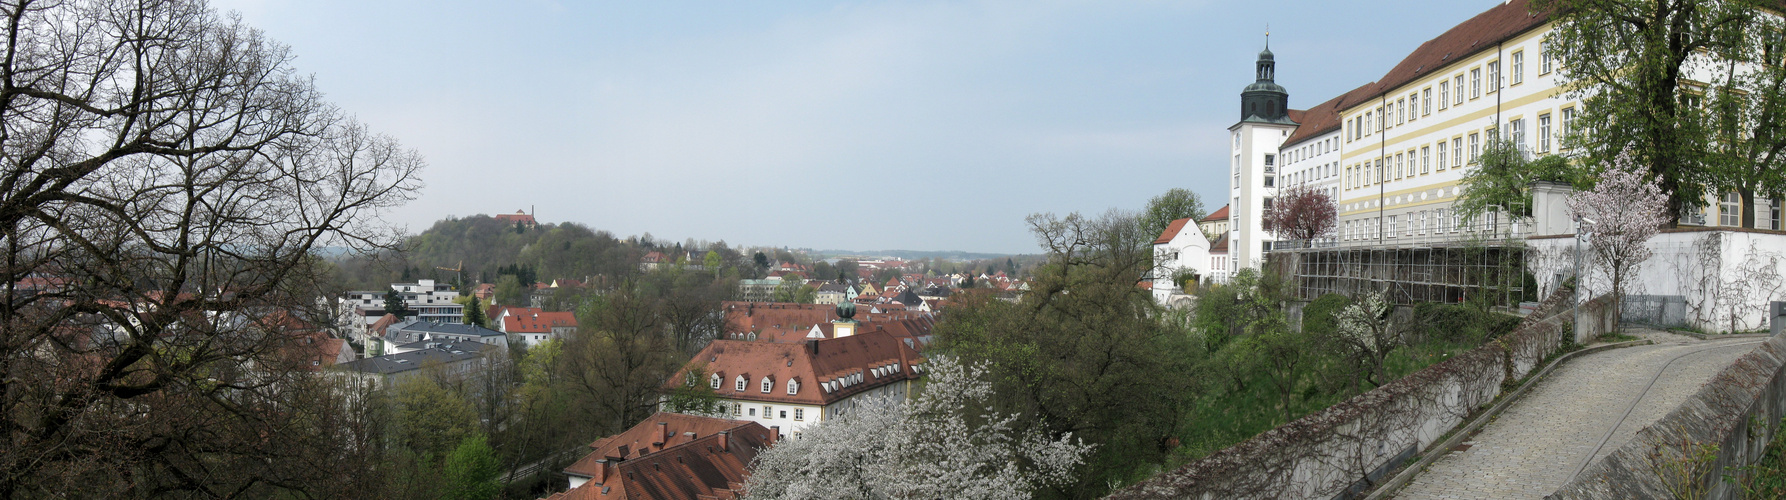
(947, 443)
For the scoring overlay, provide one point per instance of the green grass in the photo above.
(1225, 415)
(1615, 337)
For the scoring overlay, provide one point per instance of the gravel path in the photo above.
(1540, 442)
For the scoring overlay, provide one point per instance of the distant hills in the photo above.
(954, 255)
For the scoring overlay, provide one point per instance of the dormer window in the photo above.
(739, 385)
(768, 385)
(793, 387)
(714, 381)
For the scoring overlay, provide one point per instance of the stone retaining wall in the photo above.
(1739, 411)
(1332, 452)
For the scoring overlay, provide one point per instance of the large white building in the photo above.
(1392, 153)
(794, 385)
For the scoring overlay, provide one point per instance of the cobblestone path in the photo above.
(1542, 440)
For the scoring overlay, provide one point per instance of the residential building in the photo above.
(1215, 225)
(429, 300)
(670, 456)
(401, 337)
(791, 386)
(1181, 251)
(531, 326)
(449, 358)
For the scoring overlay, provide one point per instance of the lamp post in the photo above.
(1581, 223)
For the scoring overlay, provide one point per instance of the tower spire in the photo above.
(1267, 36)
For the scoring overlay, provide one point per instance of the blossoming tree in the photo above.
(947, 443)
(1625, 211)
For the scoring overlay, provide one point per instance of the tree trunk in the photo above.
(1748, 195)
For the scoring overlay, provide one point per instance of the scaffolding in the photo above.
(1445, 272)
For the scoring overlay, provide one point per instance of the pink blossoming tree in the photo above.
(1626, 211)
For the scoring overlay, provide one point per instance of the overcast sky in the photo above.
(851, 125)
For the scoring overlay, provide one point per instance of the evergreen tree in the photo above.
(394, 304)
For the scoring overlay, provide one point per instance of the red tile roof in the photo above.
(1171, 231)
(1220, 246)
(812, 364)
(1221, 214)
(671, 456)
(1325, 117)
(534, 320)
(1480, 33)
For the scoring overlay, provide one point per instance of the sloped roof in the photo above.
(1172, 230)
(536, 321)
(1220, 214)
(811, 363)
(1477, 34)
(692, 464)
(1325, 117)
(1220, 245)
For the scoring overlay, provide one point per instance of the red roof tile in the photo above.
(1171, 231)
(1221, 214)
(811, 363)
(671, 456)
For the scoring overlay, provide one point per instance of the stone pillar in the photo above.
(1778, 317)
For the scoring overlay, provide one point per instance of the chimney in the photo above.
(601, 471)
(812, 346)
(724, 438)
(774, 434)
(664, 430)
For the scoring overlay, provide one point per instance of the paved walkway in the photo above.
(1542, 440)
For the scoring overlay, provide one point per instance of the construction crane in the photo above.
(460, 271)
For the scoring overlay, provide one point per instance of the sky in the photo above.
(867, 125)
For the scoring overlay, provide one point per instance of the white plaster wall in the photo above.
(1727, 277)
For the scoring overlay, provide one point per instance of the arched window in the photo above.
(715, 381)
(739, 385)
(793, 387)
(767, 384)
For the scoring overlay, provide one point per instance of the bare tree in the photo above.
(164, 178)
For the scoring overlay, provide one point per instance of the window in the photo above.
(768, 384)
(793, 387)
(1518, 68)
(1422, 222)
(799, 414)
(1439, 220)
(1494, 76)
(1459, 85)
(1426, 101)
(1444, 95)
(1776, 214)
(1568, 125)
(1367, 124)
(714, 382)
(1398, 165)
(1516, 132)
(1391, 228)
(1475, 146)
(1544, 133)
(1457, 152)
(739, 386)
(1544, 57)
(783, 414)
(1413, 105)
(1730, 210)
(1267, 203)
(1270, 162)
(1475, 83)
(1425, 157)
(1441, 155)
(1382, 119)
(1401, 111)
(753, 412)
(766, 412)
(1270, 181)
